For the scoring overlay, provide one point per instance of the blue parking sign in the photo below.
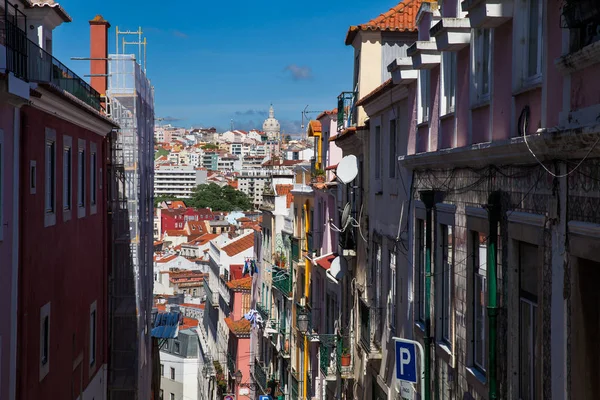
(406, 361)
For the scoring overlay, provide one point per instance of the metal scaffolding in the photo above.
(130, 103)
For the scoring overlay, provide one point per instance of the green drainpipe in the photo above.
(428, 197)
(492, 278)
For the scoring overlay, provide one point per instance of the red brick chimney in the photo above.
(99, 53)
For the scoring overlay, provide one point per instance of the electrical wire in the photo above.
(524, 124)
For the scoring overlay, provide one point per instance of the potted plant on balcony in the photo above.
(319, 175)
(345, 358)
(279, 259)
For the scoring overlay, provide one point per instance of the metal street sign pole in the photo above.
(422, 356)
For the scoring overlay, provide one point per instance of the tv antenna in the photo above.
(305, 113)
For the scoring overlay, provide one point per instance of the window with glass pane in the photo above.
(449, 81)
(93, 178)
(81, 178)
(479, 299)
(420, 271)
(377, 152)
(67, 181)
(446, 274)
(528, 354)
(50, 176)
(534, 38)
(424, 96)
(392, 148)
(482, 61)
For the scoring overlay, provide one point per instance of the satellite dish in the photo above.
(337, 270)
(345, 215)
(347, 169)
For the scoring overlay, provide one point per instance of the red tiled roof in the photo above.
(167, 259)
(197, 227)
(325, 113)
(375, 92)
(243, 219)
(176, 232)
(202, 240)
(240, 284)
(285, 190)
(191, 305)
(400, 18)
(176, 204)
(315, 126)
(325, 261)
(238, 328)
(189, 323)
(239, 245)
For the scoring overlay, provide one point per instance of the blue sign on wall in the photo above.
(263, 397)
(406, 361)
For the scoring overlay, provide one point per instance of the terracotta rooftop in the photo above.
(188, 323)
(240, 284)
(239, 245)
(325, 113)
(400, 18)
(176, 232)
(286, 190)
(239, 328)
(315, 125)
(167, 259)
(191, 305)
(202, 240)
(375, 92)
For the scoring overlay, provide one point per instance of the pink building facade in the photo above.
(502, 135)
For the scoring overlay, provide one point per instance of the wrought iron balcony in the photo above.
(295, 386)
(260, 375)
(263, 311)
(346, 110)
(371, 329)
(211, 296)
(28, 61)
(282, 281)
(327, 360)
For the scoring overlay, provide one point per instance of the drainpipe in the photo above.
(494, 210)
(306, 293)
(428, 197)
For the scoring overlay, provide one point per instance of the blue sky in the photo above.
(213, 61)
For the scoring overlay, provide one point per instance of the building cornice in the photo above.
(61, 108)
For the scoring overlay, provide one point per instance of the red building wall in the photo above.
(64, 264)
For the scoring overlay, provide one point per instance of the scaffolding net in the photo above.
(130, 103)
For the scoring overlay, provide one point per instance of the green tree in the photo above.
(219, 198)
(160, 199)
(210, 146)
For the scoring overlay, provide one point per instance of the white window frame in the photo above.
(93, 178)
(44, 363)
(448, 105)
(424, 96)
(81, 178)
(419, 257)
(67, 191)
(521, 46)
(93, 345)
(50, 179)
(477, 56)
(172, 375)
(2, 190)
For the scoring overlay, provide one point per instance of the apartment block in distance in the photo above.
(178, 181)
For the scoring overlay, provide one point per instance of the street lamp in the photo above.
(302, 323)
(238, 377)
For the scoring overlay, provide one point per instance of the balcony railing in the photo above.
(260, 375)
(224, 290)
(345, 108)
(282, 281)
(210, 295)
(371, 328)
(27, 60)
(295, 386)
(327, 360)
(263, 311)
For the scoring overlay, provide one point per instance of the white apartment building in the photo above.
(252, 182)
(179, 367)
(229, 163)
(178, 181)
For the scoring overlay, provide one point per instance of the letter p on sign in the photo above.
(406, 361)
